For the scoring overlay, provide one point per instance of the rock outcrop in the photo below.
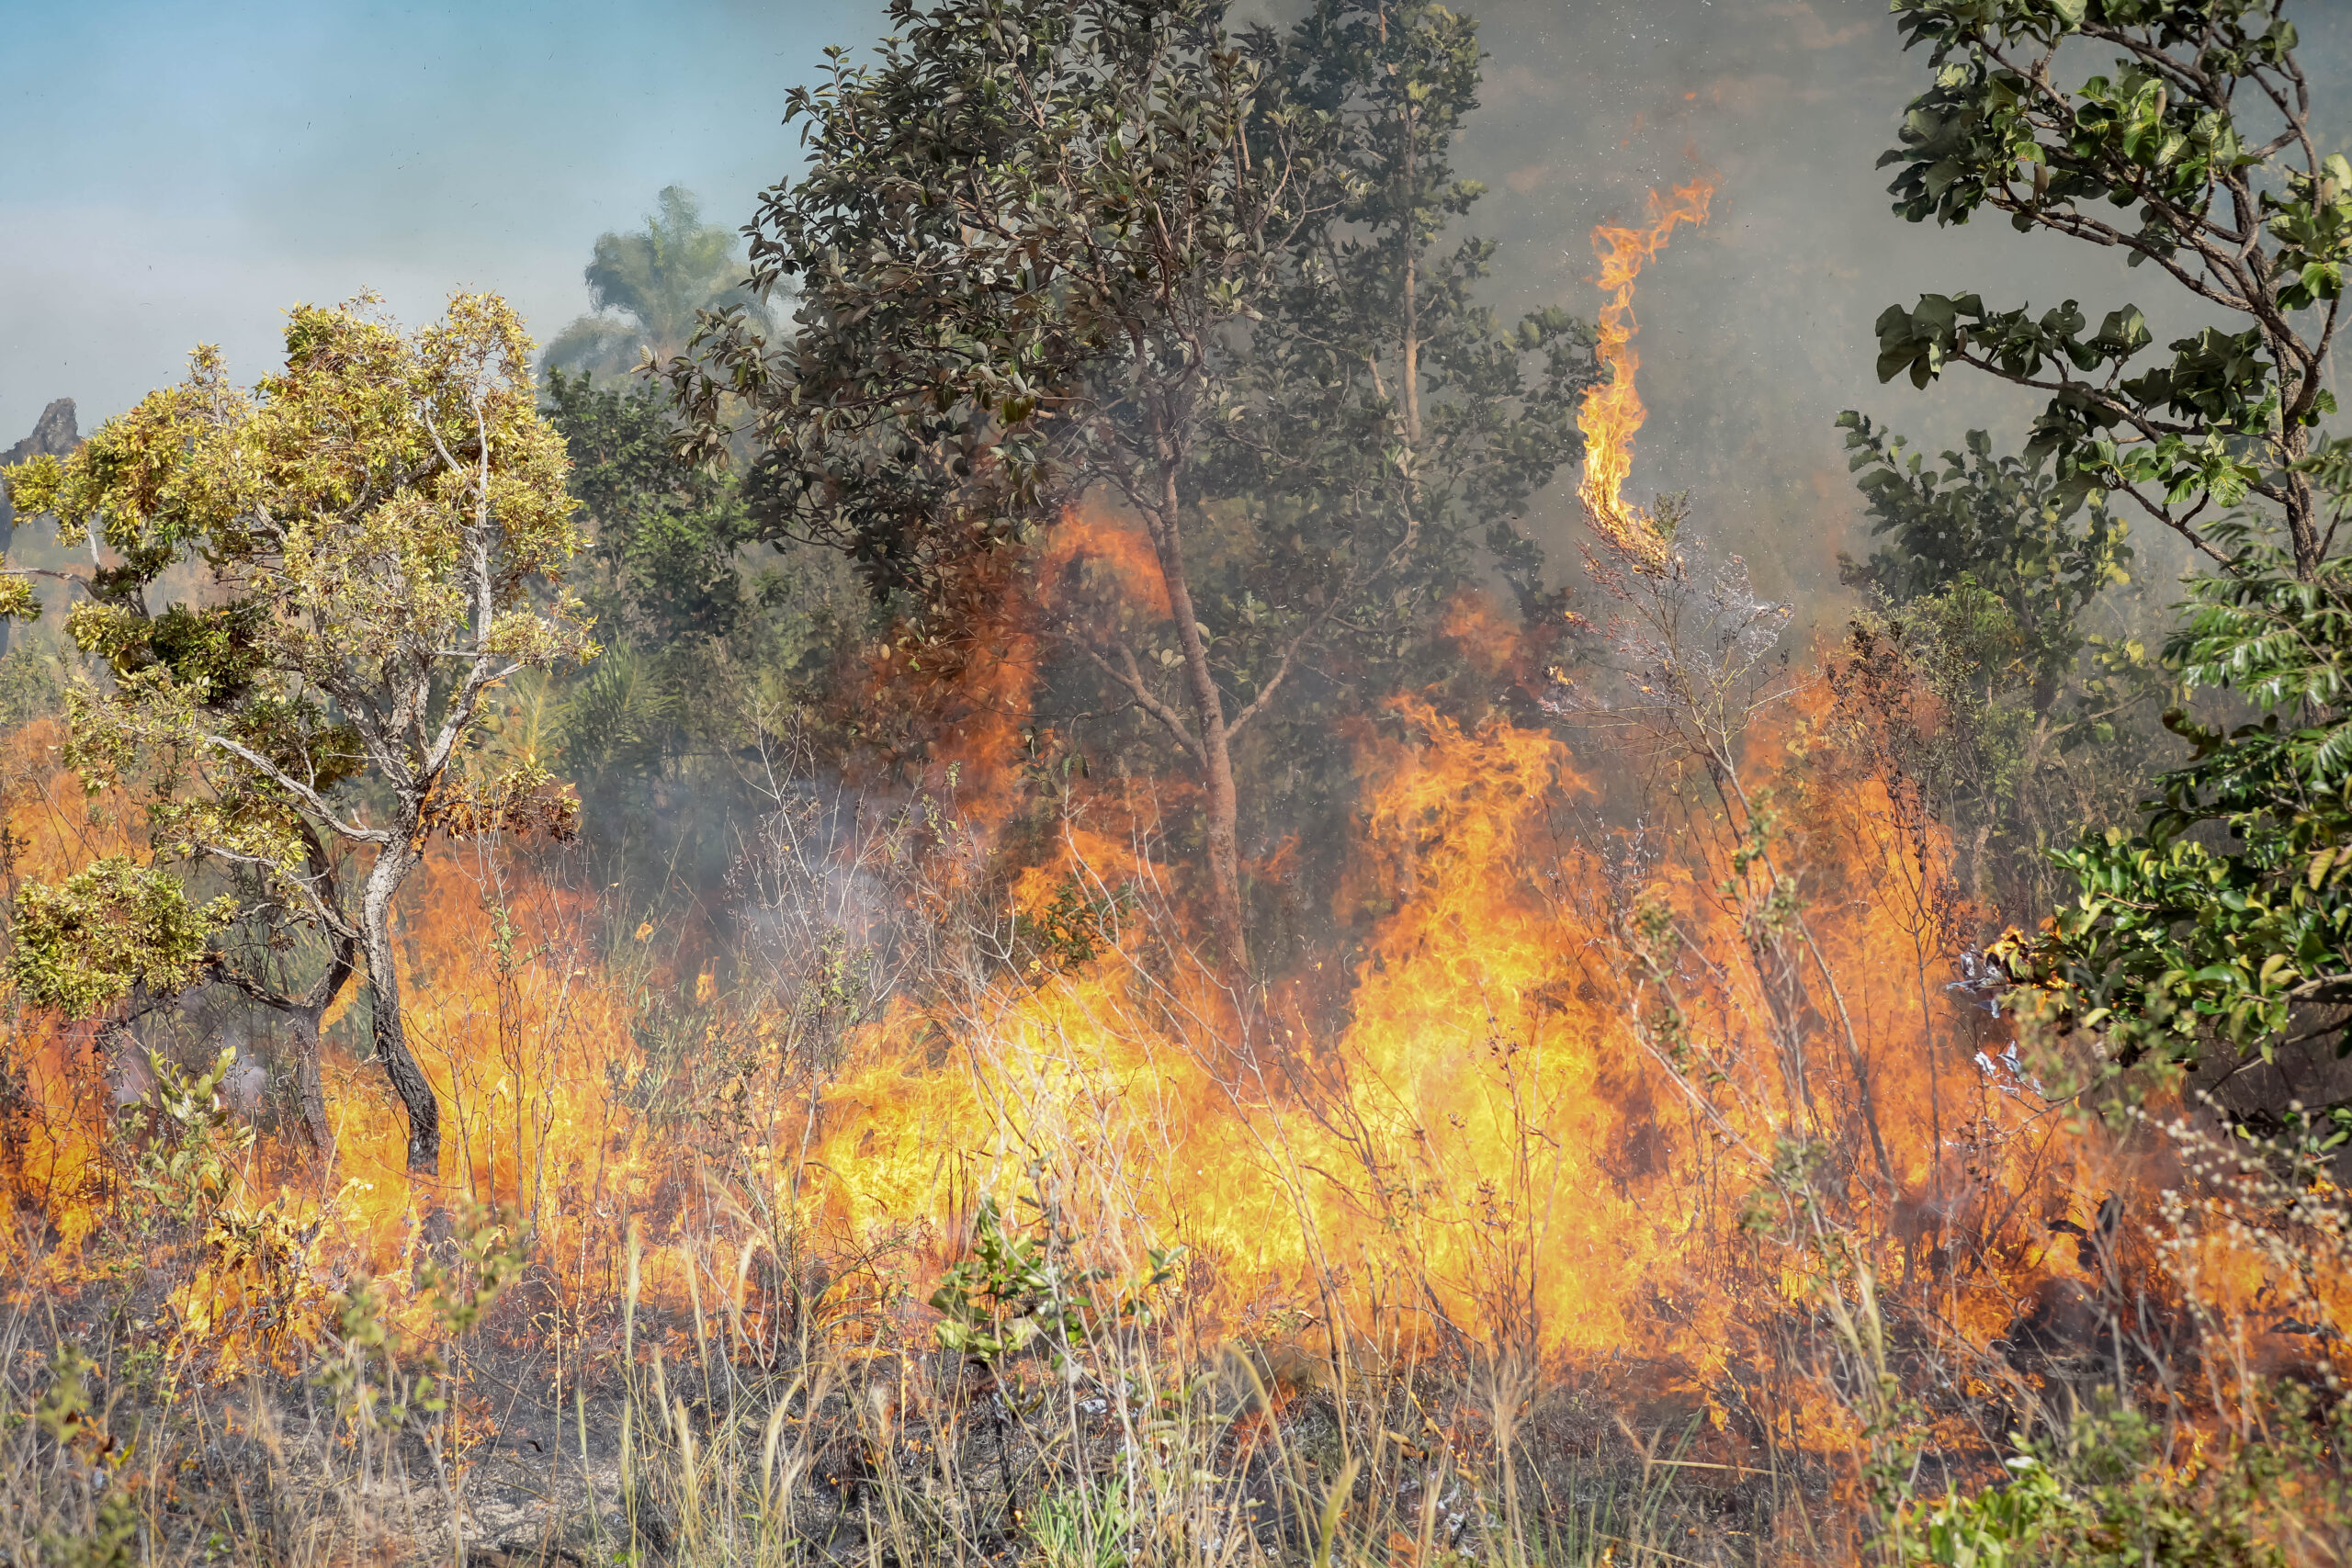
(55, 433)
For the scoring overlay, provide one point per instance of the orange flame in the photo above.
(1613, 411)
(1479, 1145)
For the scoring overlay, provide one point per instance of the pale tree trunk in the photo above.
(1220, 804)
(391, 1040)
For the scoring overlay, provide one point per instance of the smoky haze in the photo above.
(173, 175)
(1757, 329)
(172, 178)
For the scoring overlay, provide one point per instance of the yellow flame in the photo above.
(1613, 411)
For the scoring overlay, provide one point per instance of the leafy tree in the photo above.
(1388, 424)
(373, 541)
(2218, 922)
(1055, 253)
(648, 289)
(109, 927)
(2182, 934)
(1983, 690)
(1386, 427)
(1997, 522)
(664, 535)
(1024, 240)
(711, 639)
(2196, 141)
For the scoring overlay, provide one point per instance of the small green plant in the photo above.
(1018, 1290)
(189, 1166)
(1086, 1525)
(2112, 1492)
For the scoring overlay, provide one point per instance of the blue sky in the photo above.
(178, 172)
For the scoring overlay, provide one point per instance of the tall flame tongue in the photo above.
(1613, 411)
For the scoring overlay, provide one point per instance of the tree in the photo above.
(2229, 916)
(2223, 923)
(1022, 241)
(373, 541)
(1995, 522)
(664, 535)
(1384, 426)
(649, 288)
(1982, 685)
(2253, 222)
(1050, 253)
(708, 641)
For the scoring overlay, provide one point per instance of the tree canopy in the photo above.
(2187, 146)
(647, 287)
(375, 538)
(1055, 256)
(2179, 134)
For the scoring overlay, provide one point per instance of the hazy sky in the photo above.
(175, 173)
(171, 174)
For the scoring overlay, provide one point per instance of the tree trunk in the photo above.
(1411, 375)
(310, 1091)
(305, 1015)
(2305, 528)
(1220, 807)
(390, 1039)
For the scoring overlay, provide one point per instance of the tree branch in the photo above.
(1131, 678)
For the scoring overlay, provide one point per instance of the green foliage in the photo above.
(711, 639)
(1987, 698)
(1075, 927)
(384, 1379)
(1383, 423)
(1054, 253)
(1088, 1525)
(1998, 523)
(1017, 238)
(373, 540)
(83, 944)
(2104, 1493)
(1012, 1291)
(664, 534)
(1016, 1291)
(31, 685)
(2223, 919)
(2234, 908)
(2159, 145)
(187, 1165)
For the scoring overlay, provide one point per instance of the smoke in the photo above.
(1757, 329)
(258, 154)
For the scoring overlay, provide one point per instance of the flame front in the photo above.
(1613, 411)
(1489, 1148)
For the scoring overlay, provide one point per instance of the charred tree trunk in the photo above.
(305, 1016)
(309, 1090)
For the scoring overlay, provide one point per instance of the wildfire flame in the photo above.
(1613, 411)
(1476, 1149)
